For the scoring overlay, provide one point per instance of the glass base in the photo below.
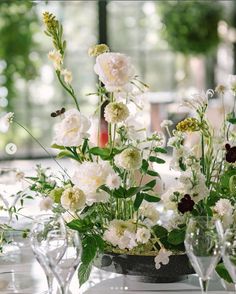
(12, 282)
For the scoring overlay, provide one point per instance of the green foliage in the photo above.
(223, 273)
(191, 26)
(176, 236)
(18, 23)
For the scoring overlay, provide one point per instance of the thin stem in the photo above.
(70, 91)
(203, 154)
(204, 285)
(37, 141)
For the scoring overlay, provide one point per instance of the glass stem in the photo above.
(50, 283)
(204, 285)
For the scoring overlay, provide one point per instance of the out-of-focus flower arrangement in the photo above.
(109, 196)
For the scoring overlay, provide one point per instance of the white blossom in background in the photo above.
(89, 176)
(143, 235)
(67, 76)
(72, 129)
(223, 207)
(113, 181)
(162, 258)
(5, 121)
(46, 203)
(56, 57)
(232, 83)
(166, 123)
(129, 159)
(115, 71)
(116, 112)
(73, 199)
(136, 130)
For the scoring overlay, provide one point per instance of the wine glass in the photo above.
(48, 237)
(203, 248)
(229, 253)
(66, 267)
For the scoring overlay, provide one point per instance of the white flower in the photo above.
(89, 176)
(232, 83)
(113, 181)
(114, 70)
(67, 76)
(166, 123)
(223, 207)
(149, 213)
(46, 203)
(56, 57)
(135, 129)
(121, 233)
(116, 112)
(19, 176)
(129, 159)
(73, 199)
(162, 257)
(143, 235)
(5, 121)
(72, 129)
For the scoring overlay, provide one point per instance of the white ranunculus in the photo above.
(46, 203)
(5, 121)
(143, 235)
(162, 258)
(89, 176)
(114, 70)
(73, 198)
(116, 112)
(72, 129)
(113, 181)
(129, 159)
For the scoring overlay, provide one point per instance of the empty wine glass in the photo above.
(229, 253)
(203, 248)
(66, 267)
(48, 238)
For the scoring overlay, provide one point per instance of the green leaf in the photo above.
(138, 201)
(144, 166)
(160, 150)
(103, 152)
(156, 159)
(80, 225)
(66, 153)
(90, 246)
(151, 198)
(85, 145)
(176, 236)
(119, 193)
(99, 241)
(232, 120)
(84, 272)
(55, 146)
(160, 231)
(132, 191)
(223, 273)
(150, 185)
(153, 173)
(105, 188)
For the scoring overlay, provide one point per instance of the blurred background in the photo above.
(177, 47)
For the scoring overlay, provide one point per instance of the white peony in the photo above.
(46, 203)
(114, 70)
(162, 258)
(73, 199)
(56, 57)
(5, 121)
(143, 235)
(223, 207)
(129, 159)
(89, 176)
(72, 129)
(113, 181)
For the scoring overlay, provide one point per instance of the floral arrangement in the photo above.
(110, 196)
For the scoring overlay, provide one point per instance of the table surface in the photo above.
(30, 279)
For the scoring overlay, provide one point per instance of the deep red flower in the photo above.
(230, 153)
(186, 204)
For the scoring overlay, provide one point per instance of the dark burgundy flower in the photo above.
(186, 204)
(58, 112)
(230, 153)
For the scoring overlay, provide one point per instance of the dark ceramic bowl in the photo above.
(142, 268)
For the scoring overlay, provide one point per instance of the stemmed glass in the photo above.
(48, 238)
(66, 267)
(229, 253)
(203, 248)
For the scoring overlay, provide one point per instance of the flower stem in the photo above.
(37, 141)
